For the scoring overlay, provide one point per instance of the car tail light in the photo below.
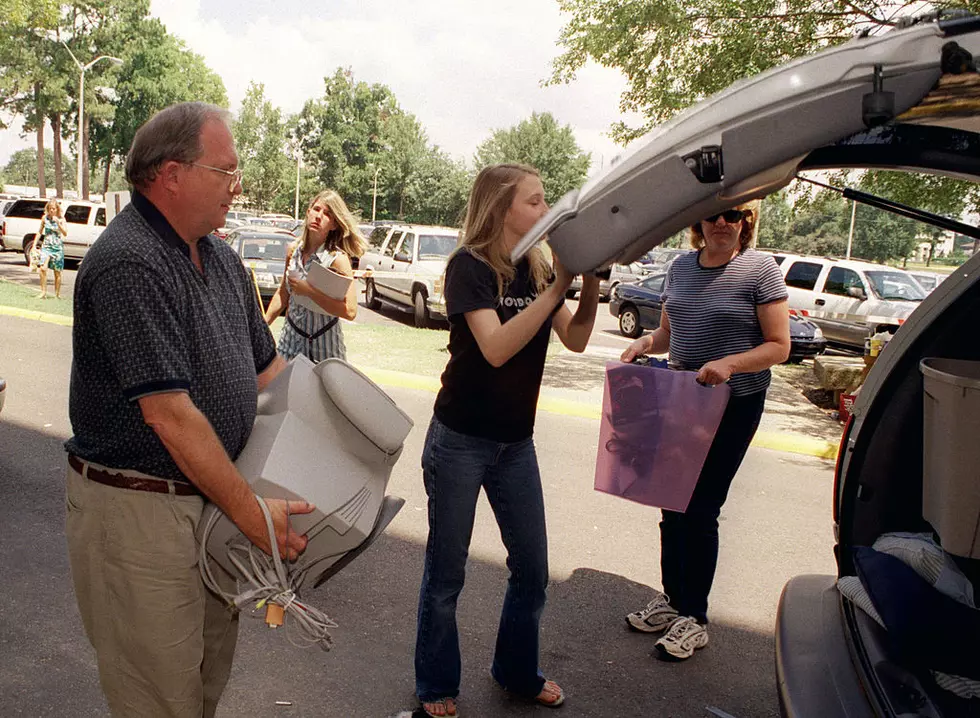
(437, 285)
(840, 462)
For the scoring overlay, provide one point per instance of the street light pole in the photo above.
(850, 234)
(80, 150)
(374, 201)
(299, 163)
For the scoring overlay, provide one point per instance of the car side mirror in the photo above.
(403, 257)
(857, 293)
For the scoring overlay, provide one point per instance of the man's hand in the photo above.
(716, 372)
(291, 544)
(638, 348)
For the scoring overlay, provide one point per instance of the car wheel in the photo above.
(371, 295)
(421, 311)
(629, 322)
(28, 248)
(570, 294)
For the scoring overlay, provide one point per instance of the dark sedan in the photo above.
(638, 308)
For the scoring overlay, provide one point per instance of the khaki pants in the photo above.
(164, 643)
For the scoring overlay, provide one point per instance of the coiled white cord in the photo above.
(269, 582)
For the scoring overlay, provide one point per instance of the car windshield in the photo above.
(436, 246)
(895, 285)
(267, 249)
(928, 283)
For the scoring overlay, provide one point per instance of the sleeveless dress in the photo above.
(316, 335)
(52, 248)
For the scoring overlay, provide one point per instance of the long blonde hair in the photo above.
(346, 236)
(492, 194)
(53, 203)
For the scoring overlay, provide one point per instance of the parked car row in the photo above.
(638, 307)
(618, 274)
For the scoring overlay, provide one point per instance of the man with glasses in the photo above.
(170, 352)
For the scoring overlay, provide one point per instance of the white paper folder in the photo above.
(331, 283)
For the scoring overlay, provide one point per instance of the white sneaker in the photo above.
(682, 639)
(656, 617)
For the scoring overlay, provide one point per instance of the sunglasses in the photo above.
(731, 216)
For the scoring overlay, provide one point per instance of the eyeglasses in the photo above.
(731, 216)
(236, 175)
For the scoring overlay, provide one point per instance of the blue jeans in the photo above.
(689, 540)
(455, 467)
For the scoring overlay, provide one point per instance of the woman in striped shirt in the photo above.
(725, 316)
(330, 238)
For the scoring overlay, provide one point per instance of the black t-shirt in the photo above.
(476, 398)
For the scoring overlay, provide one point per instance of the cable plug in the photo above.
(274, 615)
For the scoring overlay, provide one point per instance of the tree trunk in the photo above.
(105, 180)
(84, 150)
(932, 250)
(42, 189)
(59, 180)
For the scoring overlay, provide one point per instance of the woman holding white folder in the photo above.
(330, 238)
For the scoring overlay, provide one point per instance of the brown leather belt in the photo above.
(135, 483)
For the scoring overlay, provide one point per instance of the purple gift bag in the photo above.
(657, 426)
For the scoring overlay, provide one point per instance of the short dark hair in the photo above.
(173, 133)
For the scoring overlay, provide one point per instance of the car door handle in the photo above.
(820, 302)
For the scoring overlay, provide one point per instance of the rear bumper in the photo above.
(806, 348)
(815, 675)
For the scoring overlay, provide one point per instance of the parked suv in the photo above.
(849, 300)
(409, 262)
(85, 221)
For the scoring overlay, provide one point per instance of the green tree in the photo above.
(341, 135)
(676, 52)
(261, 141)
(541, 142)
(158, 71)
(438, 190)
(21, 168)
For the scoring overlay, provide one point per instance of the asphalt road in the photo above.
(603, 552)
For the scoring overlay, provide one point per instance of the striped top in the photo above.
(330, 344)
(712, 311)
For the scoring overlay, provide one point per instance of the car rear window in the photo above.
(436, 246)
(803, 275)
(77, 214)
(27, 209)
(268, 249)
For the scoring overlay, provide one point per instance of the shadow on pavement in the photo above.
(49, 668)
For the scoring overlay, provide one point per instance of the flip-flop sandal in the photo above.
(443, 702)
(551, 704)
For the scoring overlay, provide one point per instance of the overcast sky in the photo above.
(463, 67)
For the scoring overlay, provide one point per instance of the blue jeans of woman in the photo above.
(689, 541)
(455, 467)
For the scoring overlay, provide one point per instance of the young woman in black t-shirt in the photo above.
(500, 317)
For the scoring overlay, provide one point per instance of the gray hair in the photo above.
(174, 134)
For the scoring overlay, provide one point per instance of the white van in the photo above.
(849, 299)
(85, 221)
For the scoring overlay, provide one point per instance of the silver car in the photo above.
(618, 274)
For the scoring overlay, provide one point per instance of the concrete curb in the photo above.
(36, 316)
(777, 441)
